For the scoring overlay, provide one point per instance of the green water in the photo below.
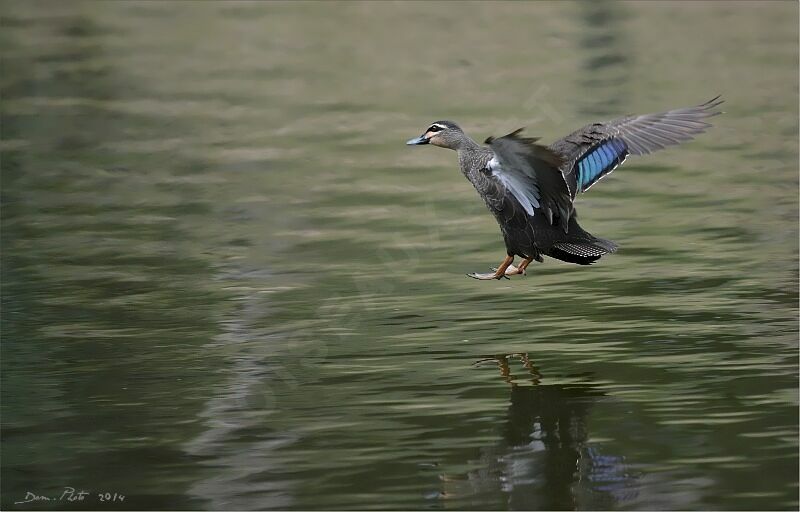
(228, 284)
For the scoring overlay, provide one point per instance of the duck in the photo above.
(531, 188)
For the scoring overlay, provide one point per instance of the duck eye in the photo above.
(434, 128)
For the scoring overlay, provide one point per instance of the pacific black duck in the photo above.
(530, 188)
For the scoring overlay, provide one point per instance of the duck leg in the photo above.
(500, 273)
(514, 270)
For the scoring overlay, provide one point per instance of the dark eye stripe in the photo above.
(435, 128)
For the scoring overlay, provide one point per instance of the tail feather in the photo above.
(582, 251)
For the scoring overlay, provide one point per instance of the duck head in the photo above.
(445, 134)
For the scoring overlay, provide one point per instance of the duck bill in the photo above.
(418, 141)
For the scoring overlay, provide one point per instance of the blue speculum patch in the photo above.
(600, 160)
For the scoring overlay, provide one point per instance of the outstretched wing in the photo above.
(597, 149)
(651, 132)
(531, 173)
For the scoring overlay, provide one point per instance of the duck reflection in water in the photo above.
(544, 460)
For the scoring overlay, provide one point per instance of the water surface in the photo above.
(227, 284)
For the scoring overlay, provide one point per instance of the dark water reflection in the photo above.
(545, 460)
(227, 284)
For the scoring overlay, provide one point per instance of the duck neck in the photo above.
(466, 146)
(468, 151)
